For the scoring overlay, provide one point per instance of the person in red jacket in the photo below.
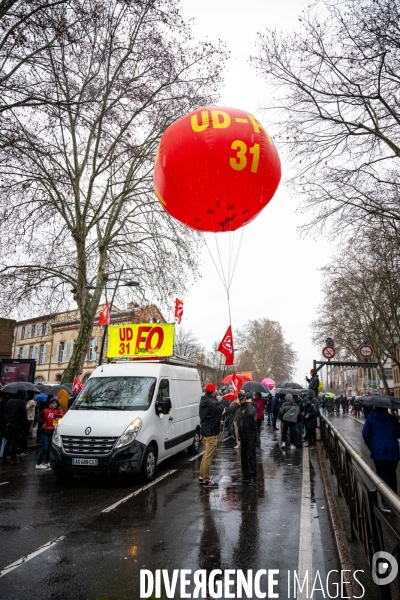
(48, 417)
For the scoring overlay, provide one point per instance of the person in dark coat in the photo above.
(381, 432)
(309, 414)
(313, 382)
(275, 411)
(247, 426)
(211, 411)
(16, 424)
(3, 403)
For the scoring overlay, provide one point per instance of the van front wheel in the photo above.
(194, 448)
(149, 464)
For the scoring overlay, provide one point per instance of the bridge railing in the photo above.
(360, 486)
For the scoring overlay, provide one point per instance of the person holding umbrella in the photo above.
(381, 432)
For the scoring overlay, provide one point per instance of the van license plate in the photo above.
(88, 462)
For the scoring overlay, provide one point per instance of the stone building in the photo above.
(50, 339)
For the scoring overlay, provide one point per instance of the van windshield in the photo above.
(116, 393)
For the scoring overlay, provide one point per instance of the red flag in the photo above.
(226, 347)
(178, 310)
(104, 316)
(237, 382)
(77, 386)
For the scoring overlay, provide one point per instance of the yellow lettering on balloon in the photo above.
(196, 126)
(240, 161)
(255, 123)
(257, 127)
(217, 124)
(255, 151)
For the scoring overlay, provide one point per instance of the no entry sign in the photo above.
(329, 352)
(366, 351)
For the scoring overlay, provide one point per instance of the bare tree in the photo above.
(263, 350)
(336, 86)
(188, 346)
(21, 47)
(76, 196)
(361, 299)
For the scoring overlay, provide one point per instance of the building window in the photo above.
(61, 352)
(44, 329)
(71, 349)
(39, 379)
(23, 333)
(32, 351)
(42, 354)
(93, 349)
(20, 353)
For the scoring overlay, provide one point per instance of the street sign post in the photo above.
(366, 351)
(328, 352)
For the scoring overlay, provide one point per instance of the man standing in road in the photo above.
(313, 382)
(211, 412)
(247, 425)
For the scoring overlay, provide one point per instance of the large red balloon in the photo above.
(216, 169)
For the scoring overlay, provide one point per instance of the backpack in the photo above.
(292, 413)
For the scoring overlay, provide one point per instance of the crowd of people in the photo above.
(242, 419)
(20, 413)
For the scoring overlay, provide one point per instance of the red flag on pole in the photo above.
(237, 383)
(104, 316)
(226, 347)
(77, 386)
(178, 310)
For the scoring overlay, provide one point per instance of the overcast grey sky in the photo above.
(277, 271)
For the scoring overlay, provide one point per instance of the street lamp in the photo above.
(100, 287)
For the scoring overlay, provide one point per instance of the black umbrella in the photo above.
(292, 391)
(381, 401)
(42, 387)
(288, 384)
(12, 388)
(253, 386)
(54, 389)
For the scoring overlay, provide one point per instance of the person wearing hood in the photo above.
(310, 414)
(290, 412)
(211, 412)
(16, 424)
(381, 432)
(247, 426)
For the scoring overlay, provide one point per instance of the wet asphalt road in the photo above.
(175, 524)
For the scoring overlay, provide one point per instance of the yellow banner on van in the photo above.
(143, 339)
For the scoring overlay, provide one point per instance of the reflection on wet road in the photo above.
(174, 524)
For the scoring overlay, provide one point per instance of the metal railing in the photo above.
(359, 486)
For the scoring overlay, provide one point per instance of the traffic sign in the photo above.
(329, 352)
(366, 351)
(329, 342)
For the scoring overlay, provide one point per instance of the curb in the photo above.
(341, 545)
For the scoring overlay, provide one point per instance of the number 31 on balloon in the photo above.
(216, 169)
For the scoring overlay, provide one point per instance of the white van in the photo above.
(129, 417)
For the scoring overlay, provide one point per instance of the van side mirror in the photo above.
(164, 405)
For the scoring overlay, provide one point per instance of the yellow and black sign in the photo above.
(143, 339)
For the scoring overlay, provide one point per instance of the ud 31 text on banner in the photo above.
(143, 339)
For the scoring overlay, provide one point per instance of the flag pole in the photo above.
(106, 326)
